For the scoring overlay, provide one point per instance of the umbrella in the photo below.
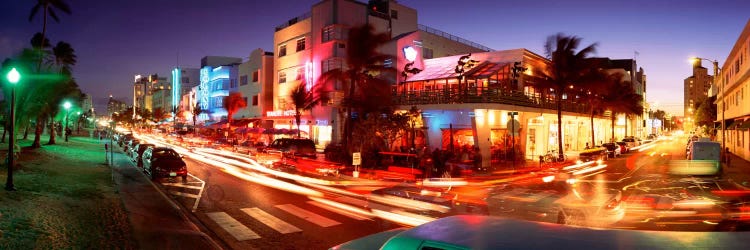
(269, 131)
(283, 131)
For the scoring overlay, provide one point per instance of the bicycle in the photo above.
(552, 156)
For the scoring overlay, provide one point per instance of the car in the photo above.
(557, 201)
(138, 152)
(594, 154)
(490, 232)
(122, 139)
(623, 147)
(129, 147)
(630, 142)
(293, 146)
(161, 162)
(613, 150)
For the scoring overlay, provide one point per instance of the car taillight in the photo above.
(613, 204)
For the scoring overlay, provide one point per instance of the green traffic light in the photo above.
(13, 76)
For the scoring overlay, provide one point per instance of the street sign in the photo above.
(356, 159)
(513, 113)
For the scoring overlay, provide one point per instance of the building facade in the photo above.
(733, 97)
(218, 77)
(183, 81)
(491, 104)
(256, 84)
(315, 42)
(695, 91)
(115, 106)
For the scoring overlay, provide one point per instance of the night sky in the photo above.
(115, 40)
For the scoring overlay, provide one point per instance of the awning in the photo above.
(745, 125)
(734, 125)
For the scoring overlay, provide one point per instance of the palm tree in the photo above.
(303, 100)
(233, 103)
(48, 7)
(622, 99)
(364, 92)
(594, 87)
(567, 67)
(197, 110)
(65, 57)
(159, 115)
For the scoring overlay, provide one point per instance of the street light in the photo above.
(720, 91)
(66, 105)
(13, 77)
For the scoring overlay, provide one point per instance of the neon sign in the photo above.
(277, 113)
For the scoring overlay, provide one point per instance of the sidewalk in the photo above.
(156, 221)
(738, 171)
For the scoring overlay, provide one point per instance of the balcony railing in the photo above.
(448, 36)
(292, 21)
(485, 95)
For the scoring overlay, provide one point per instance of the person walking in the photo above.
(727, 156)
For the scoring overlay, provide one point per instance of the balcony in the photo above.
(485, 95)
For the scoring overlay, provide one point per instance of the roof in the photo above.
(733, 125)
(488, 63)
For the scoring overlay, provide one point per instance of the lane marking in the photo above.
(271, 221)
(307, 215)
(194, 196)
(338, 211)
(232, 226)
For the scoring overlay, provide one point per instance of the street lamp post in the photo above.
(13, 77)
(719, 94)
(66, 105)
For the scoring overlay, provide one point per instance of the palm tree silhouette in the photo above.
(567, 67)
(65, 57)
(304, 100)
(364, 92)
(622, 99)
(233, 103)
(48, 7)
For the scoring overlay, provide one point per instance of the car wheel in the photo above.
(184, 178)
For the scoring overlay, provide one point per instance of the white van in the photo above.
(703, 158)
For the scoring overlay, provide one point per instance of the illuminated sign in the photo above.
(176, 82)
(204, 88)
(410, 53)
(308, 75)
(137, 78)
(277, 113)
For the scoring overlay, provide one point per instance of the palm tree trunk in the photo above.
(558, 97)
(26, 132)
(591, 116)
(347, 119)
(613, 126)
(52, 140)
(298, 118)
(626, 126)
(41, 46)
(5, 131)
(38, 132)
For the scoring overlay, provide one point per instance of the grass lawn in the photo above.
(65, 199)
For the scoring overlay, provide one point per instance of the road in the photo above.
(248, 206)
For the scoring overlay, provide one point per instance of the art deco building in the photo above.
(733, 96)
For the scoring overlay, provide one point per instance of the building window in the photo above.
(331, 64)
(255, 76)
(243, 80)
(341, 45)
(185, 79)
(426, 53)
(244, 99)
(232, 83)
(388, 63)
(282, 50)
(394, 14)
(282, 77)
(255, 100)
(300, 73)
(300, 44)
(332, 32)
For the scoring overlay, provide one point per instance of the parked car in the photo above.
(630, 142)
(163, 162)
(594, 154)
(558, 202)
(138, 152)
(623, 147)
(122, 139)
(613, 150)
(128, 148)
(292, 146)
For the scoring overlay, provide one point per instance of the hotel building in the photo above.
(733, 97)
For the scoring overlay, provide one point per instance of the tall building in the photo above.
(183, 80)
(256, 84)
(218, 77)
(695, 91)
(315, 42)
(733, 86)
(115, 106)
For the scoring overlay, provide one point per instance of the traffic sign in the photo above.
(356, 159)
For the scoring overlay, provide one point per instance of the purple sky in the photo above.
(115, 40)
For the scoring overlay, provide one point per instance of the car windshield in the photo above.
(164, 153)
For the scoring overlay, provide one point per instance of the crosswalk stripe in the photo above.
(307, 215)
(194, 196)
(232, 226)
(271, 221)
(338, 210)
(181, 185)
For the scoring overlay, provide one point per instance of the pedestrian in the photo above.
(727, 156)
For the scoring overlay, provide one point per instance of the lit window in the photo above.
(282, 77)
(300, 73)
(300, 44)
(282, 50)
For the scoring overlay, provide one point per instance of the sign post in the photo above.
(356, 161)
